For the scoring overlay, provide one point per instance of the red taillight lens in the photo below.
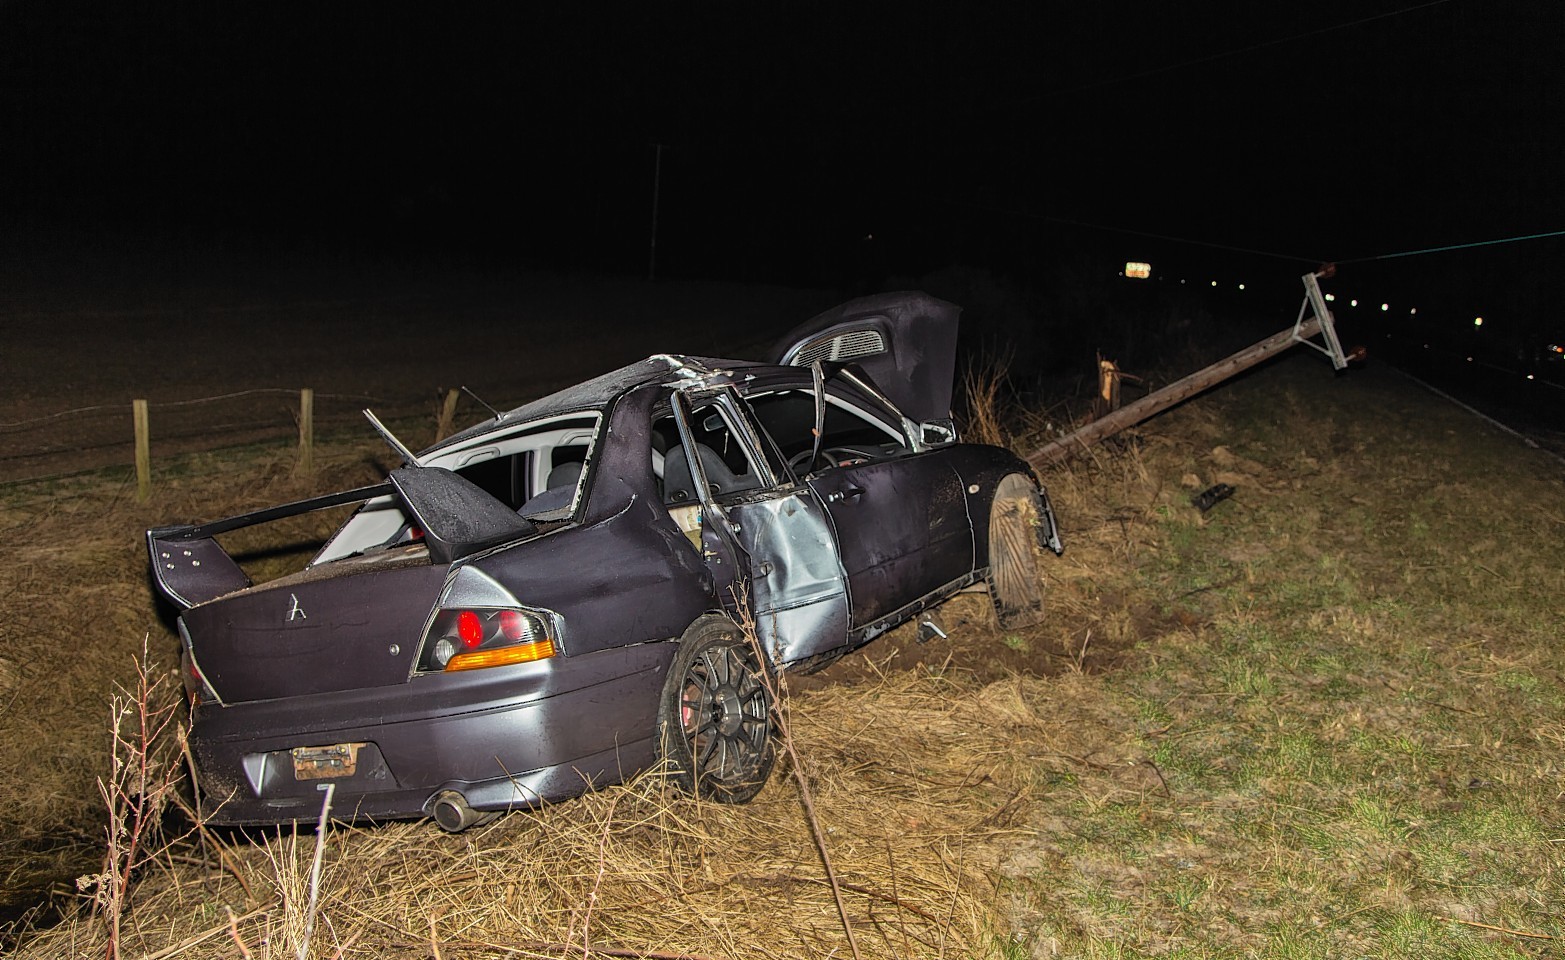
(470, 628)
(514, 626)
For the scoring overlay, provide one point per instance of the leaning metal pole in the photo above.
(1318, 322)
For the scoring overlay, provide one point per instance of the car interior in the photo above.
(536, 470)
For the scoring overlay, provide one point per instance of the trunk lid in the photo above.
(905, 342)
(316, 635)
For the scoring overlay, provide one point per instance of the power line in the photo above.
(1457, 246)
(1251, 250)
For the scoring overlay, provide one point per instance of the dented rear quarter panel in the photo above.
(625, 574)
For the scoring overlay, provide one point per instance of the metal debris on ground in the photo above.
(1211, 496)
(928, 629)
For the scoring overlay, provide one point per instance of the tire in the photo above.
(714, 720)
(1015, 585)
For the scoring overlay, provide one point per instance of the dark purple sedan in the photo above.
(555, 599)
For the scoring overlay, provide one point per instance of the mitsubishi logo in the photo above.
(295, 612)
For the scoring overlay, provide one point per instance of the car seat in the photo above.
(555, 500)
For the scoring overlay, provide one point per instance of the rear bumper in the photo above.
(504, 738)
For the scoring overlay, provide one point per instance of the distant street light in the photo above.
(1384, 307)
(1478, 321)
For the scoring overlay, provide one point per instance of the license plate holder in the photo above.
(326, 763)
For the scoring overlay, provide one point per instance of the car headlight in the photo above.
(478, 637)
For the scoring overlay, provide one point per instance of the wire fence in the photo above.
(119, 408)
(112, 435)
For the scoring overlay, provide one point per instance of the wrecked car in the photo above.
(601, 580)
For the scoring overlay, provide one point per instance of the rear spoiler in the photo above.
(457, 517)
(190, 567)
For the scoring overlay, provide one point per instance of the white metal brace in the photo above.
(1316, 304)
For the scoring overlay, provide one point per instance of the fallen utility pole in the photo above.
(1313, 319)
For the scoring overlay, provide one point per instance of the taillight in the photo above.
(470, 639)
(470, 628)
(190, 675)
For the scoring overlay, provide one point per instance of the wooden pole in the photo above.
(1180, 390)
(138, 409)
(447, 415)
(306, 430)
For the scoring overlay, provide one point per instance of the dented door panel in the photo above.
(796, 582)
(902, 530)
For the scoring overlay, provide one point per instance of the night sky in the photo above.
(807, 142)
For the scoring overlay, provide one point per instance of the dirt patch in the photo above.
(975, 648)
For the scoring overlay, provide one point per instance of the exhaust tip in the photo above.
(452, 813)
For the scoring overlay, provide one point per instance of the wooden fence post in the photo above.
(306, 430)
(447, 415)
(138, 410)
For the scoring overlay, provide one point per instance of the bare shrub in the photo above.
(986, 400)
(141, 780)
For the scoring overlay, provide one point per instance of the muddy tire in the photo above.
(715, 720)
(1015, 582)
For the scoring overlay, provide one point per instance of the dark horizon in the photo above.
(806, 143)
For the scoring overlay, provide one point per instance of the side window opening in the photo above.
(724, 457)
(684, 508)
(788, 416)
(725, 460)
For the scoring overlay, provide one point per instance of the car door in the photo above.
(902, 530)
(899, 516)
(755, 521)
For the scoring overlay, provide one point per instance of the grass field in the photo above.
(1324, 719)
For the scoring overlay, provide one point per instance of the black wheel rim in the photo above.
(723, 711)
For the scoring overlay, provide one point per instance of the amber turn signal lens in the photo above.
(500, 656)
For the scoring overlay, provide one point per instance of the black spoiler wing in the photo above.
(457, 518)
(189, 565)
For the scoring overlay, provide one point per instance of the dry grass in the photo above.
(987, 403)
(1323, 719)
(915, 839)
(78, 603)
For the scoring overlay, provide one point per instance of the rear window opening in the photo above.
(538, 470)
